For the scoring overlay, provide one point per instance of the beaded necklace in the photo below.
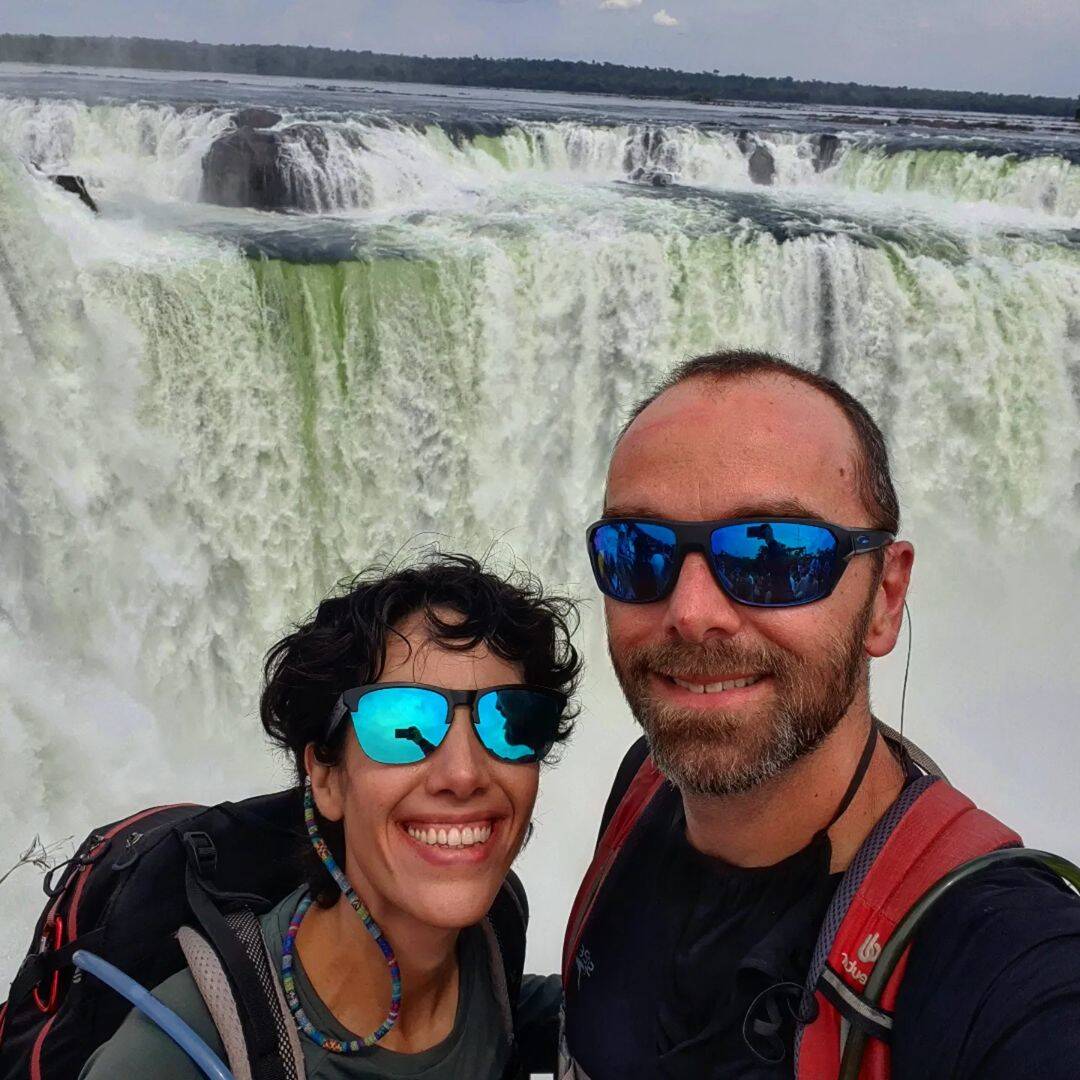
(335, 1046)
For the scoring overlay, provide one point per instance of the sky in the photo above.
(1016, 46)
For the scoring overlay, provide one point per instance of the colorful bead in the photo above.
(335, 1046)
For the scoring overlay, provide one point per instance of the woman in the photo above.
(416, 708)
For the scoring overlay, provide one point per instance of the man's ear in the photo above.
(888, 613)
(326, 785)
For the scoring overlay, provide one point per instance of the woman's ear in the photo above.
(326, 787)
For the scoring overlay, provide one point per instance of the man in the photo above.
(688, 955)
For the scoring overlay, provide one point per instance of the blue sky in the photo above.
(1023, 46)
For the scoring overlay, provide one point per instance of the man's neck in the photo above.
(764, 826)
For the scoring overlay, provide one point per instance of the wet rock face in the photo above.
(244, 168)
(762, 167)
(825, 151)
(256, 118)
(759, 160)
(77, 186)
(645, 159)
(249, 167)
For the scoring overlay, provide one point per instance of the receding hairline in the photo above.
(872, 478)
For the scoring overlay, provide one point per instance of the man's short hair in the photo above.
(872, 475)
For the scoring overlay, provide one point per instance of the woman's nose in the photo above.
(460, 767)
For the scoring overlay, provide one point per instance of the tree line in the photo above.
(566, 75)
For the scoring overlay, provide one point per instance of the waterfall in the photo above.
(341, 163)
(195, 445)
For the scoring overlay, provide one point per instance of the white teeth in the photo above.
(717, 687)
(451, 836)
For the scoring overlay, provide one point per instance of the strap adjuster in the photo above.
(201, 853)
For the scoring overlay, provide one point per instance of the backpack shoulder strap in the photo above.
(643, 787)
(508, 920)
(930, 830)
(216, 987)
(237, 940)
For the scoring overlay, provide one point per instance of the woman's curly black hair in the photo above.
(344, 645)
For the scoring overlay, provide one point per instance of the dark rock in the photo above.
(463, 131)
(762, 166)
(249, 167)
(244, 168)
(76, 186)
(256, 118)
(825, 151)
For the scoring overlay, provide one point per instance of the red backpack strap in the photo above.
(931, 829)
(646, 783)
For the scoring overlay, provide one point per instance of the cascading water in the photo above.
(195, 444)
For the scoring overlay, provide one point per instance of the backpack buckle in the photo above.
(201, 853)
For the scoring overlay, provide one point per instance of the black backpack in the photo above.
(124, 895)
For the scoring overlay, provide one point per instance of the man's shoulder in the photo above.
(993, 979)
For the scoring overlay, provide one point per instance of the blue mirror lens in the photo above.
(774, 562)
(634, 561)
(399, 725)
(516, 724)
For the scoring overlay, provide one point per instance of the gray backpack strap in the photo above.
(900, 742)
(213, 984)
(217, 995)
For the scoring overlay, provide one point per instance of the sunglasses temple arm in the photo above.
(340, 711)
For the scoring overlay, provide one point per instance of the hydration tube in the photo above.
(153, 1009)
(901, 938)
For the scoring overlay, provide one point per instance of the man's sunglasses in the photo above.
(402, 723)
(764, 562)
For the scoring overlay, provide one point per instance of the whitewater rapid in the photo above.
(210, 416)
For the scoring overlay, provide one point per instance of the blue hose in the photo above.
(210, 1064)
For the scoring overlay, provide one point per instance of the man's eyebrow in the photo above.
(631, 510)
(774, 508)
(761, 508)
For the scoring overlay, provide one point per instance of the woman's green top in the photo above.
(477, 1047)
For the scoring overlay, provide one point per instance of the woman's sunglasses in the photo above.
(402, 723)
(764, 562)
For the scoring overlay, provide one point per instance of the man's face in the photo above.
(765, 445)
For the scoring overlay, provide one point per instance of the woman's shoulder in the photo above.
(141, 1048)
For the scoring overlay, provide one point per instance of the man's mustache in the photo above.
(702, 660)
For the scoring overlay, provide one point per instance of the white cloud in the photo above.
(662, 18)
(620, 5)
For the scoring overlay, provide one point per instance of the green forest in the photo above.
(574, 76)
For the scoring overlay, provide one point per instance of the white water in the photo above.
(194, 446)
(157, 150)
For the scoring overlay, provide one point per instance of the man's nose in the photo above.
(460, 767)
(697, 608)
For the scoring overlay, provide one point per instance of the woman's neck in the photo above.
(348, 972)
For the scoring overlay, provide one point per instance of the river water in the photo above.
(210, 414)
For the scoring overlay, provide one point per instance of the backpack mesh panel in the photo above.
(247, 929)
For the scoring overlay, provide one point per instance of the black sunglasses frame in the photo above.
(347, 704)
(697, 536)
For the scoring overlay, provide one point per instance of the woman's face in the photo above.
(387, 808)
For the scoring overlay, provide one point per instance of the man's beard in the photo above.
(715, 752)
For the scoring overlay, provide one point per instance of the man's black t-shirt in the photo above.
(681, 947)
